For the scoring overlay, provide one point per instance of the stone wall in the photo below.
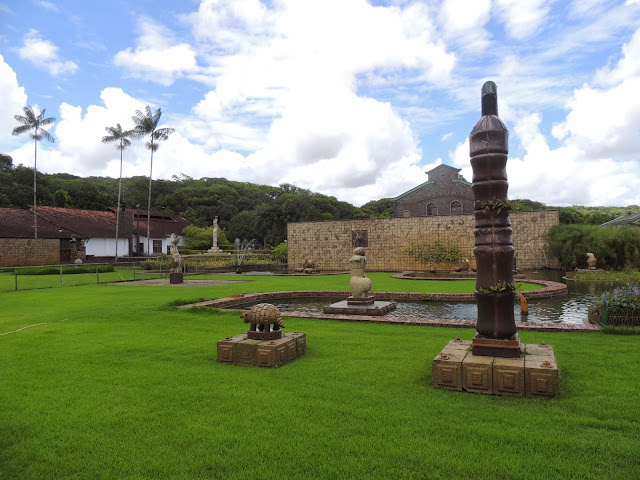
(390, 241)
(21, 251)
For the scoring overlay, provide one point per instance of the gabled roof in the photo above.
(413, 190)
(441, 166)
(17, 223)
(162, 224)
(86, 223)
(56, 222)
(631, 219)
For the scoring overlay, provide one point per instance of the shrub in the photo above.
(620, 307)
(434, 254)
(279, 253)
(66, 270)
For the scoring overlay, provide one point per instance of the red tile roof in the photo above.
(16, 223)
(56, 222)
(86, 223)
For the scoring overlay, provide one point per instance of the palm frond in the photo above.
(21, 129)
(47, 121)
(162, 133)
(47, 135)
(21, 119)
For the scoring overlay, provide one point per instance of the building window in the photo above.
(157, 246)
(456, 208)
(432, 209)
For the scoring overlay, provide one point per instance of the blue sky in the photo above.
(349, 98)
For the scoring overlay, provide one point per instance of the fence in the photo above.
(52, 276)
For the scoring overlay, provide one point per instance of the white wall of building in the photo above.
(166, 243)
(106, 247)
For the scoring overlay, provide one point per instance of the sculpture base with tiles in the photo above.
(264, 344)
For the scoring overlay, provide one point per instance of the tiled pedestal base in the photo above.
(534, 374)
(241, 350)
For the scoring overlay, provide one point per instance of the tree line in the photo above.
(244, 210)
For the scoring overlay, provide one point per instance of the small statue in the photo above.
(463, 267)
(360, 284)
(263, 316)
(591, 261)
(176, 263)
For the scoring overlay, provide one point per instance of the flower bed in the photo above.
(620, 307)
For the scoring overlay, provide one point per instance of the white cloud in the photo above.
(48, 5)
(157, 58)
(12, 100)
(522, 17)
(44, 54)
(463, 23)
(288, 88)
(627, 66)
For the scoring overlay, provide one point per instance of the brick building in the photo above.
(65, 234)
(445, 192)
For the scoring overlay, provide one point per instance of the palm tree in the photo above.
(147, 123)
(116, 134)
(34, 121)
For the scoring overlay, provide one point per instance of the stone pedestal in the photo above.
(534, 373)
(367, 300)
(241, 350)
(490, 347)
(345, 308)
(176, 277)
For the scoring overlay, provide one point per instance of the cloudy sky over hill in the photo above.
(349, 98)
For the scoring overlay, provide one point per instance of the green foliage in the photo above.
(619, 307)
(615, 248)
(497, 206)
(577, 215)
(279, 253)
(6, 162)
(434, 254)
(526, 205)
(382, 208)
(502, 287)
(198, 238)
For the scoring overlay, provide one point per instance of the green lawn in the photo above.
(118, 384)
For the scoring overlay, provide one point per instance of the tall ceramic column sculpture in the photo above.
(489, 145)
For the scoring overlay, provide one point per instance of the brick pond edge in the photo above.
(550, 289)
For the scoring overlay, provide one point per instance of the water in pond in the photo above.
(571, 308)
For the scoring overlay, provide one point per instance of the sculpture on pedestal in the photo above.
(489, 145)
(214, 245)
(175, 274)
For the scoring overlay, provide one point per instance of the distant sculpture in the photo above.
(176, 263)
(592, 261)
(496, 332)
(214, 246)
(175, 274)
(463, 267)
(360, 284)
(308, 266)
